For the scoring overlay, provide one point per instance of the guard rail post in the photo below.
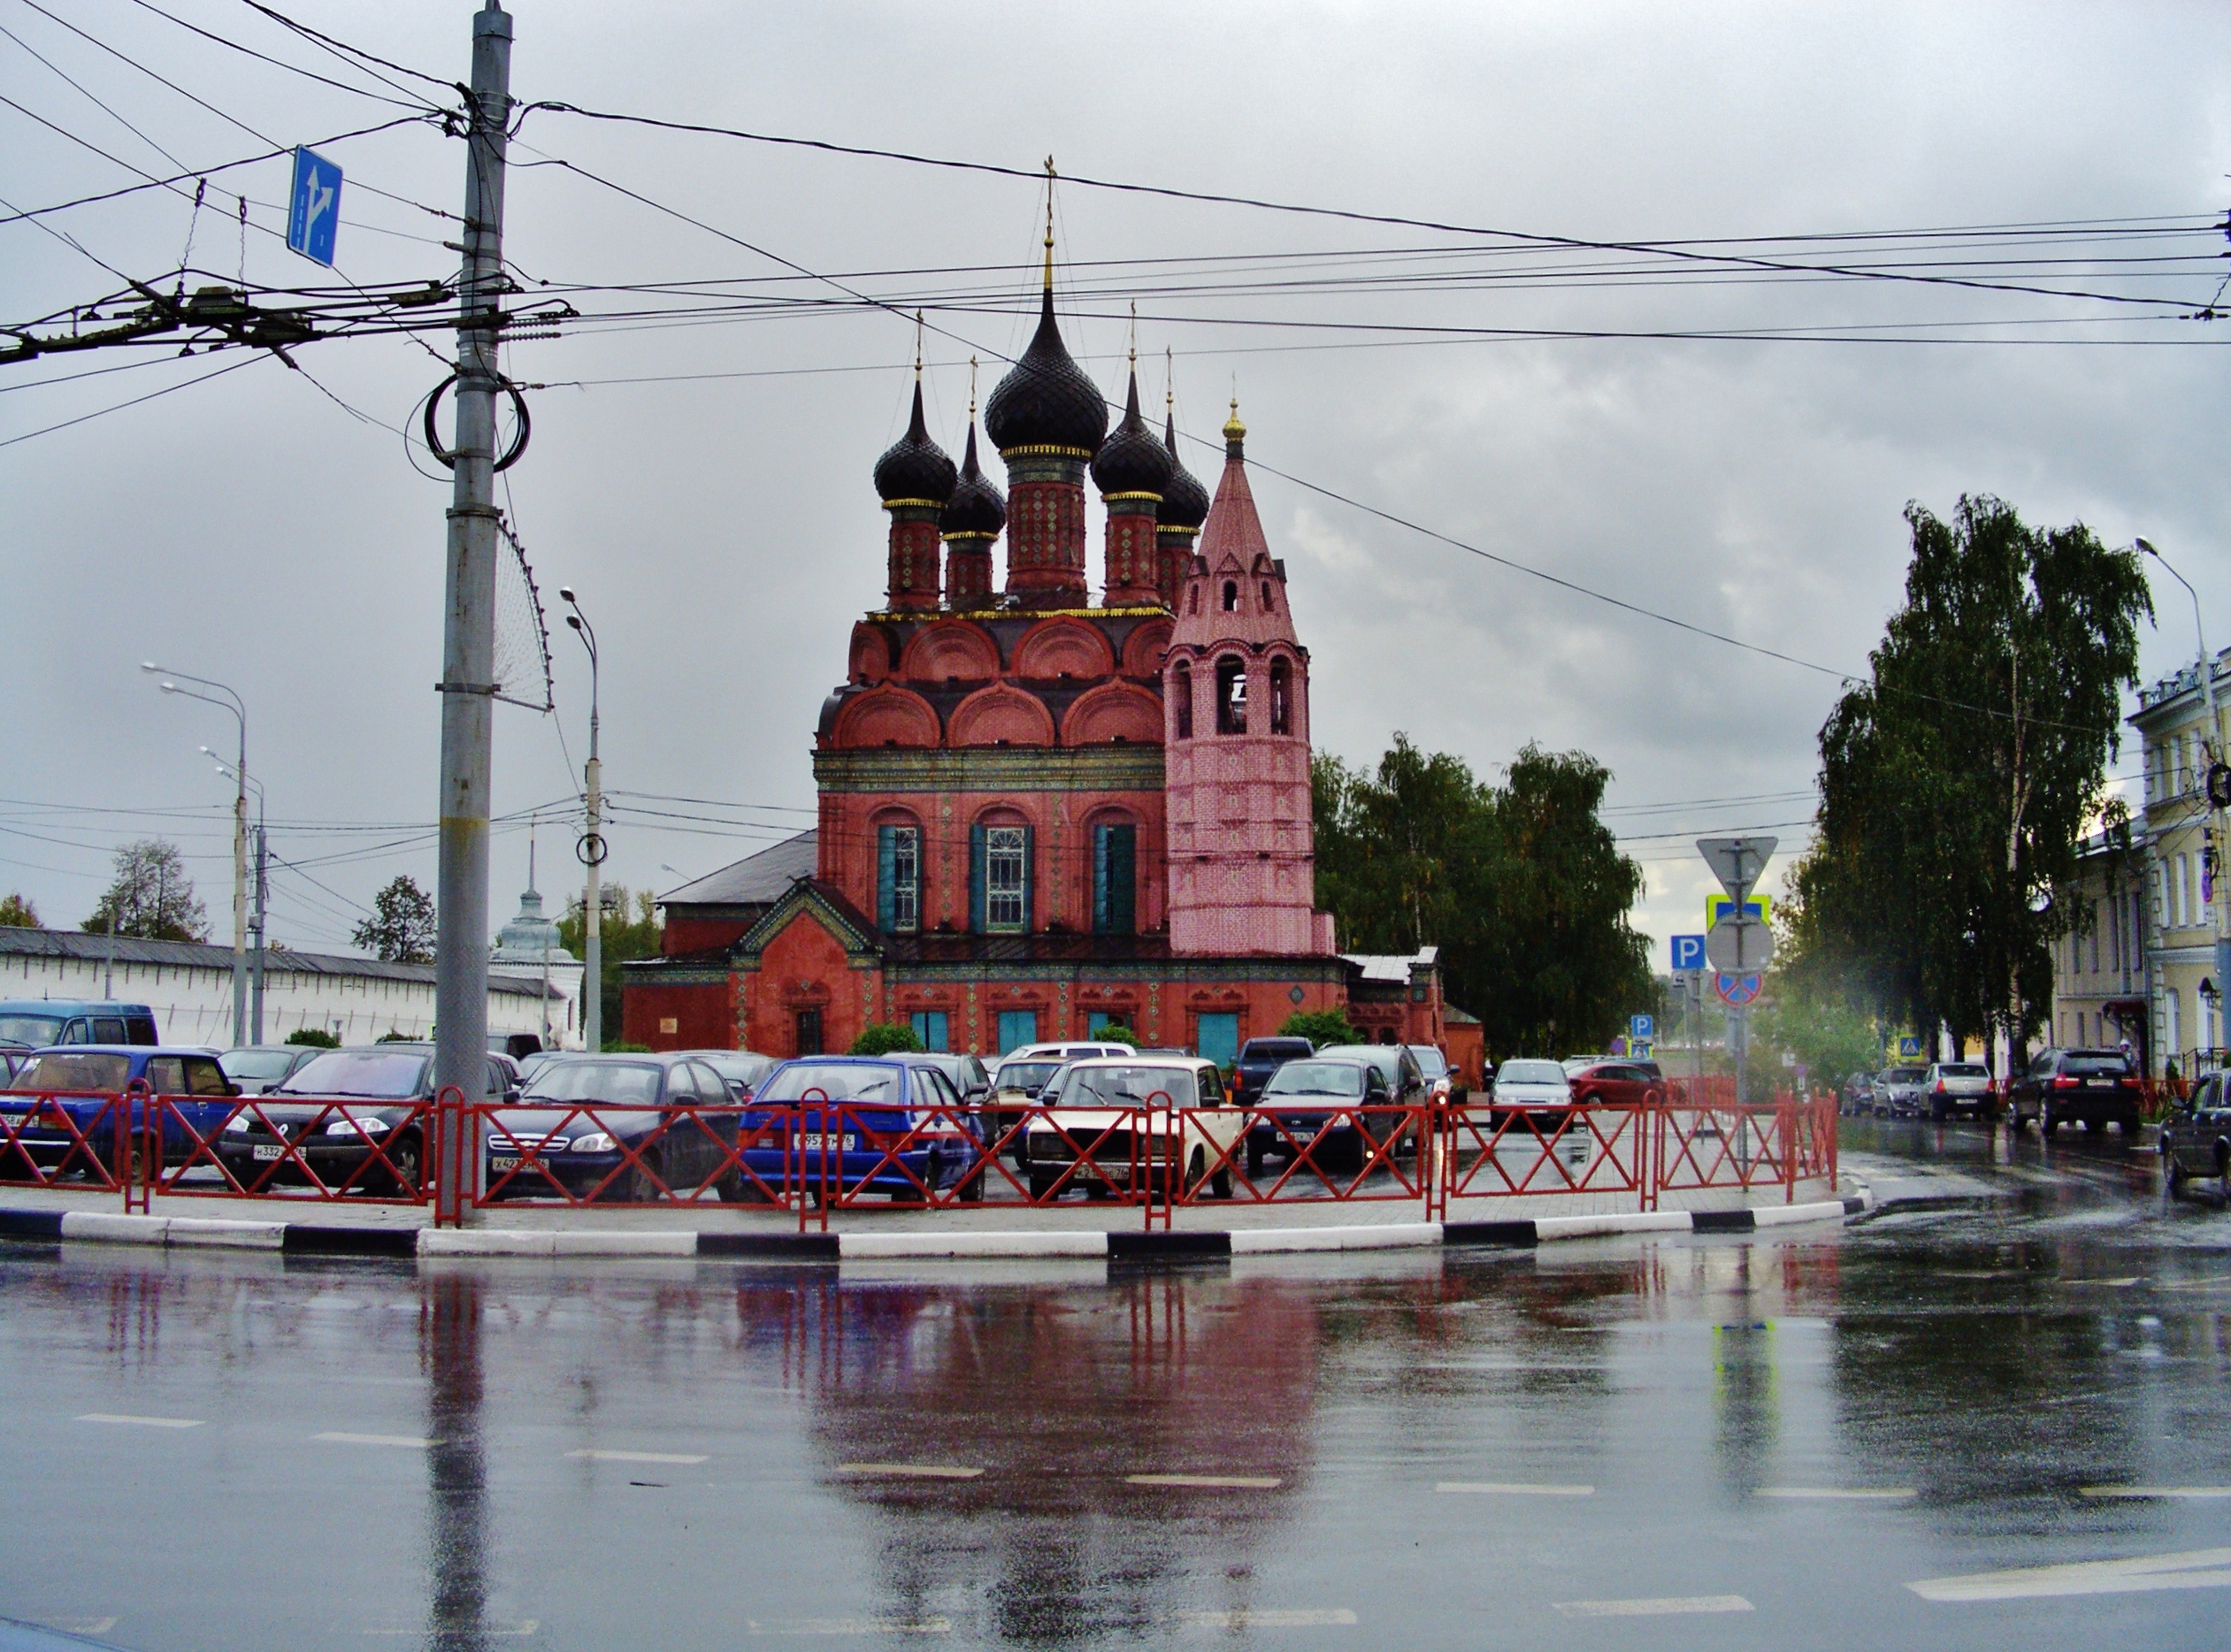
(452, 1161)
(135, 1113)
(1789, 1123)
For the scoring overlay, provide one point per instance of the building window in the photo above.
(1115, 879)
(1184, 691)
(1231, 596)
(808, 1032)
(1216, 1037)
(1266, 596)
(1000, 879)
(1018, 1027)
(1231, 696)
(1097, 1021)
(929, 1027)
(1281, 698)
(898, 878)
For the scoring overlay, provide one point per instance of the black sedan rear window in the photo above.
(2104, 1064)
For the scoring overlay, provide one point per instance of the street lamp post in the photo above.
(258, 925)
(233, 703)
(2212, 751)
(591, 850)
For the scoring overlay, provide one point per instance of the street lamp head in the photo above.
(574, 620)
(2147, 546)
(170, 688)
(566, 592)
(150, 665)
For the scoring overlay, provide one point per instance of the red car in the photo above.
(1617, 1083)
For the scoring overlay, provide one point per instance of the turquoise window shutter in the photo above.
(1122, 879)
(977, 879)
(1030, 867)
(886, 858)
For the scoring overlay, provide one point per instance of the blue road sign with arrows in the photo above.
(1688, 952)
(314, 211)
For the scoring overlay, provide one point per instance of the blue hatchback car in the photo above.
(881, 1124)
(74, 1080)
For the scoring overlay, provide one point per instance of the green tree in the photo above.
(886, 1039)
(152, 898)
(1957, 781)
(1116, 1032)
(628, 928)
(1320, 1028)
(402, 928)
(16, 913)
(1521, 886)
(317, 1037)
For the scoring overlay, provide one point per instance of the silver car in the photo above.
(1536, 1090)
(1958, 1089)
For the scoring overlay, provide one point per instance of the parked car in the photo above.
(1441, 1083)
(72, 1127)
(325, 1118)
(1259, 1059)
(1616, 1082)
(1897, 1092)
(1960, 1090)
(905, 1132)
(743, 1071)
(1858, 1094)
(1299, 1108)
(965, 1073)
(1406, 1081)
(517, 1046)
(39, 1022)
(12, 1056)
(1534, 1090)
(2196, 1137)
(1020, 1079)
(257, 1068)
(607, 1127)
(529, 1063)
(2093, 1088)
(1085, 1139)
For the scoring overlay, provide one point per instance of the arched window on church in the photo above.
(1192, 601)
(1231, 695)
(1114, 876)
(1231, 596)
(899, 876)
(1184, 692)
(1267, 607)
(1281, 698)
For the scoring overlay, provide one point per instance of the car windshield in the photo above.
(1024, 1075)
(1963, 1069)
(1093, 1086)
(391, 1075)
(2099, 1062)
(89, 1070)
(747, 1070)
(257, 1064)
(830, 1081)
(1431, 1061)
(29, 1029)
(626, 1083)
(1529, 1072)
(1316, 1078)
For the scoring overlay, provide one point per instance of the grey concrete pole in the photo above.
(262, 895)
(240, 892)
(468, 642)
(591, 850)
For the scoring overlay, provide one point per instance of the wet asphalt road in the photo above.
(1714, 1443)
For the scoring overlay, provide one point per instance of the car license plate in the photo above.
(502, 1162)
(816, 1141)
(265, 1154)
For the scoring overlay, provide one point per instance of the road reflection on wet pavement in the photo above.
(1948, 1428)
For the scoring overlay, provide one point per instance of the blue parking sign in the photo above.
(1642, 1027)
(313, 211)
(1688, 952)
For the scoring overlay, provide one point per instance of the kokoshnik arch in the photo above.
(1040, 815)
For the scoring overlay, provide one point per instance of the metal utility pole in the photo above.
(592, 852)
(233, 703)
(262, 894)
(468, 641)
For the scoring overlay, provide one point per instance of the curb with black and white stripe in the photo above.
(320, 1239)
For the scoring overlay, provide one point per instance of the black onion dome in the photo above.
(1131, 460)
(1185, 500)
(1046, 400)
(914, 467)
(977, 504)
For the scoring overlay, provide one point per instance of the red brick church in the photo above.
(1040, 813)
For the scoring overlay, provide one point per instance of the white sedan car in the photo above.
(1093, 1113)
(1538, 1089)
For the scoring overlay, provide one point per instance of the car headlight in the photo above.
(358, 1127)
(594, 1141)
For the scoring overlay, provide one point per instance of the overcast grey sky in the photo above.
(703, 481)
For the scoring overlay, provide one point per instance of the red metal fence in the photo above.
(820, 1155)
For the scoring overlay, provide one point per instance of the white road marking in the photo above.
(2157, 1491)
(1214, 1482)
(910, 1471)
(409, 1441)
(1513, 1488)
(848, 1626)
(636, 1457)
(2194, 1569)
(1246, 1618)
(141, 1422)
(1845, 1493)
(1664, 1606)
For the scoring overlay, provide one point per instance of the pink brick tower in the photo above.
(1236, 698)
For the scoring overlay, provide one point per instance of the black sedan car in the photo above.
(354, 1119)
(2196, 1137)
(634, 1128)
